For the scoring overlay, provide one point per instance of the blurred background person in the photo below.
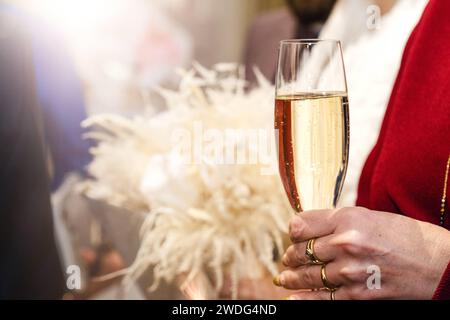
(298, 19)
(30, 267)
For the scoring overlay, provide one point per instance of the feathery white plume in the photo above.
(204, 218)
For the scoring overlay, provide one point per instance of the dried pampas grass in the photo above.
(204, 219)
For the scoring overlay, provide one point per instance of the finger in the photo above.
(324, 249)
(339, 294)
(308, 277)
(312, 224)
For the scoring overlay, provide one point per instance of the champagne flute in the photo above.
(312, 122)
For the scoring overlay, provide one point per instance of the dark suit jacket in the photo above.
(29, 263)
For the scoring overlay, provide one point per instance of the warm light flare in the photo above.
(72, 15)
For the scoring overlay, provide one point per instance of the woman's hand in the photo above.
(411, 255)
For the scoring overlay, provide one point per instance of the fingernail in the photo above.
(278, 281)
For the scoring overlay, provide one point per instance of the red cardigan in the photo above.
(405, 171)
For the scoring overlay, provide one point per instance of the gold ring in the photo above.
(333, 295)
(326, 283)
(310, 252)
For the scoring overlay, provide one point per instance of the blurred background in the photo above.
(85, 57)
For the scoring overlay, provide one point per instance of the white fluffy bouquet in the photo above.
(204, 172)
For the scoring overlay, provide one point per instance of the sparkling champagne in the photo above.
(313, 142)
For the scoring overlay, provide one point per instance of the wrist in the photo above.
(439, 244)
(443, 247)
